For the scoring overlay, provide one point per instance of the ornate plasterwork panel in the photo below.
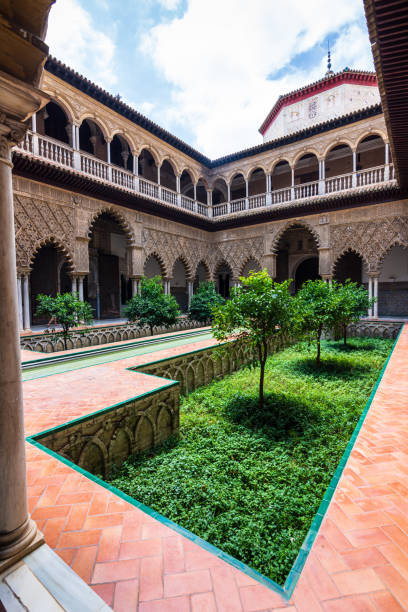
(370, 239)
(37, 222)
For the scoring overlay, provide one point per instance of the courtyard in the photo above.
(133, 555)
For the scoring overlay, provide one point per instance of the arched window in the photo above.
(306, 169)
(167, 176)
(339, 161)
(53, 122)
(220, 192)
(187, 185)
(281, 177)
(257, 182)
(370, 152)
(120, 153)
(147, 166)
(238, 187)
(201, 191)
(91, 139)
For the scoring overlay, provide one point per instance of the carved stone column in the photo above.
(18, 534)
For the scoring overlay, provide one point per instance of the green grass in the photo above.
(250, 482)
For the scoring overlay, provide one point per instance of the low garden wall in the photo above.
(375, 329)
(100, 440)
(92, 336)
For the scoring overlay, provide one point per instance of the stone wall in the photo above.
(106, 438)
(375, 329)
(93, 336)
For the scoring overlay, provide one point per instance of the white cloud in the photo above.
(218, 55)
(170, 5)
(74, 39)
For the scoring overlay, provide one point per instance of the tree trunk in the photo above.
(261, 384)
(319, 334)
(345, 335)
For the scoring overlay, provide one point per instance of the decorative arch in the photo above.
(338, 143)
(203, 180)
(290, 224)
(160, 261)
(207, 269)
(345, 251)
(98, 444)
(234, 173)
(371, 132)
(98, 121)
(132, 144)
(308, 151)
(171, 162)
(189, 270)
(278, 161)
(119, 218)
(153, 152)
(58, 244)
(247, 261)
(64, 104)
(397, 242)
(191, 172)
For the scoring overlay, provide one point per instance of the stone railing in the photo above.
(49, 342)
(353, 180)
(63, 155)
(377, 328)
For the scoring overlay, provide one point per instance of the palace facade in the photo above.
(103, 195)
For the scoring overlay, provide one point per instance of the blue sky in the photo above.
(207, 70)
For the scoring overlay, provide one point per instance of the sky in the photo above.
(209, 71)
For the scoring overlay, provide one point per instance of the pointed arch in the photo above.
(346, 251)
(159, 259)
(118, 217)
(250, 261)
(52, 241)
(288, 225)
(189, 271)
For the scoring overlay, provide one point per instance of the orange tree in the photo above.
(258, 311)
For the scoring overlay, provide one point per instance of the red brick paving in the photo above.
(359, 561)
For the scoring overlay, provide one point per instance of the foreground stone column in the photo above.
(18, 534)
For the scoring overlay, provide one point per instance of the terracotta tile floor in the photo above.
(359, 561)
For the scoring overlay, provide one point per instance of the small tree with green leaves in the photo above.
(66, 309)
(203, 302)
(152, 307)
(316, 310)
(257, 312)
(352, 302)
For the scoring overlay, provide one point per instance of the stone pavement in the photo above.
(359, 561)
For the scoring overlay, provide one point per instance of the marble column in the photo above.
(26, 302)
(190, 291)
(81, 288)
(370, 294)
(375, 306)
(20, 301)
(18, 534)
(74, 284)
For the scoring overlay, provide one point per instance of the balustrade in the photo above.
(63, 155)
(238, 205)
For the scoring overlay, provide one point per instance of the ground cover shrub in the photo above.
(250, 480)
